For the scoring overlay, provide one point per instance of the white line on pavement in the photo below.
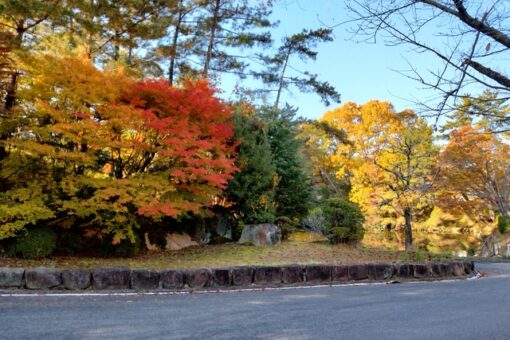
(218, 291)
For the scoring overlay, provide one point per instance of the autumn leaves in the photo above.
(103, 147)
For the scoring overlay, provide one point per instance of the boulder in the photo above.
(172, 279)
(11, 277)
(76, 279)
(318, 273)
(221, 277)
(292, 274)
(176, 241)
(242, 276)
(340, 273)
(267, 275)
(422, 270)
(42, 278)
(314, 223)
(381, 272)
(265, 234)
(197, 278)
(144, 279)
(221, 225)
(111, 278)
(358, 272)
(405, 270)
(148, 244)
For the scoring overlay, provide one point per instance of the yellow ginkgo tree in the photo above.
(390, 159)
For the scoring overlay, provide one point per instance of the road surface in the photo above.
(466, 309)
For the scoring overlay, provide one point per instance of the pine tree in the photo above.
(300, 45)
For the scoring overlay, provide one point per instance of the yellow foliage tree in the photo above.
(390, 159)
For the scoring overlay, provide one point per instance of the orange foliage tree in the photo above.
(475, 171)
(96, 149)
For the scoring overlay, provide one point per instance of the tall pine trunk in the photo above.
(281, 82)
(175, 40)
(212, 36)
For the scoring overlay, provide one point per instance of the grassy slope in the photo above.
(300, 252)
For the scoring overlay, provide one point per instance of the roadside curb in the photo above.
(257, 277)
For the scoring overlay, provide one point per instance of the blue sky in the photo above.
(359, 71)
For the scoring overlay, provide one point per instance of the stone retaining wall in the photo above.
(246, 276)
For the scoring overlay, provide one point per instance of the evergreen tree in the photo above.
(252, 190)
(300, 45)
(293, 193)
(485, 110)
(232, 24)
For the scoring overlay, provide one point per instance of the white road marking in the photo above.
(217, 291)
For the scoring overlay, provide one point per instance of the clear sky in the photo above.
(359, 71)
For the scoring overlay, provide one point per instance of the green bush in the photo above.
(344, 222)
(70, 242)
(286, 225)
(314, 221)
(420, 255)
(503, 224)
(125, 248)
(35, 244)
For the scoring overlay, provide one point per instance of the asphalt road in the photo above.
(467, 309)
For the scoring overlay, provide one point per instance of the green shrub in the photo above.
(70, 242)
(503, 224)
(286, 225)
(125, 248)
(420, 255)
(35, 244)
(314, 221)
(344, 222)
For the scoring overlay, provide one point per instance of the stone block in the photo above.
(197, 278)
(144, 279)
(340, 273)
(422, 270)
(11, 277)
(318, 273)
(455, 269)
(221, 277)
(172, 279)
(292, 274)
(405, 270)
(76, 279)
(242, 276)
(111, 278)
(358, 272)
(267, 275)
(381, 272)
(469, 267)
(42, 278)
(439, 269)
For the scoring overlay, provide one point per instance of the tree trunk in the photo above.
(11, 89)
(175, 40)
(212, 36)
(10, 98)
(282, 77)
(116, 47)
(408, 229)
